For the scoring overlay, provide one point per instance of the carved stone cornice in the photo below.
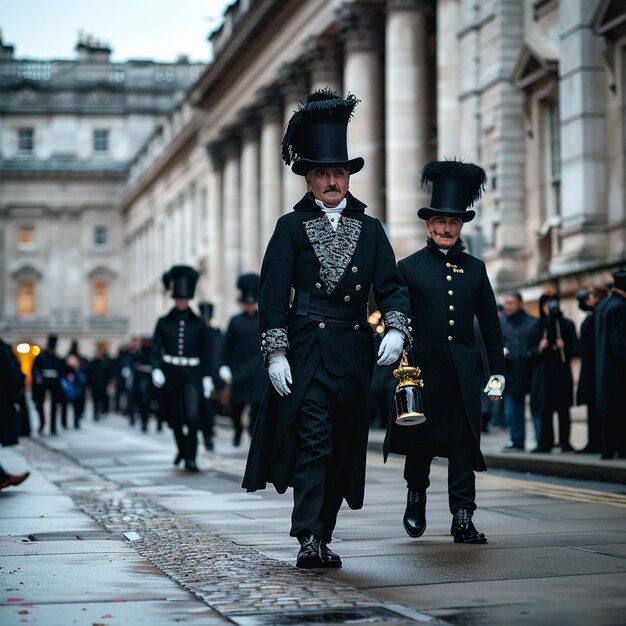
(322, 55)
(408, 5)
(362, 26)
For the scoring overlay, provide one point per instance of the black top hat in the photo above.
(316, 134)
(181, 281)
(619, 278)
(51, 342)
(455, 187)
(206, 310)
(249, 286)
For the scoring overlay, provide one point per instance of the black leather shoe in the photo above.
(309, 555)
(178, 459)
(190, 466)
(463, 529)
(329, 558)
(589, 450)
(541, 449)
(414, 519)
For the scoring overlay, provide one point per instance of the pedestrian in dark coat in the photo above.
(12, 385)
(559, 343)
(610, 332)
(142, 387)
(181, 364)
(588, 300)
(48, 369)
(99, 375)
(78, 401)
(448, 289)
(241, 361)
(312, 429)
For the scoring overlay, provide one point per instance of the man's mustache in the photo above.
(331, 188)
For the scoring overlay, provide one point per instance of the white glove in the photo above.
(126, 372)
(207, 386)
(391, 347)
(158, 378)
(225, 374)
(280, 373)
(493, 389)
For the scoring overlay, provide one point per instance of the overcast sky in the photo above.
(155, 29)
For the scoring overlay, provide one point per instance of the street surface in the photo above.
(107, 531)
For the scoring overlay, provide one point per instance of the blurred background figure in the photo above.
(99, 376)
(48, 369)
(241, 360)
(588, 300)
(521, 332)
(12, 390)
(142, 389)
(555, 392)
(122, 377)
(610, 361)
(73, 384)
(211, 406)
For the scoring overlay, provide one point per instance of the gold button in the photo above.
(322, 325)
(355, 269)
(347, 298)
(448, 277)
(450, 293)
(318, 285)
(356, 327)
(451, 322)
(449, 337)
(451, 307)
(358, 287)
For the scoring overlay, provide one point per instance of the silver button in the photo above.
(447, 264)
(450, 293)
(448, 277)
(356, 327)
(355, 269)
(318, 285)
(347, 298)
(263, 342)
(358, 287)
(451, 322)
(264, 335)
(322, 325)
(451, 307)
(449, 337)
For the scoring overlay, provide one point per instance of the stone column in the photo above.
(271, 170)
(249, 199)
(322, 58)
(294, 91)
(583, 127)
(362, 76)
(215, 253)
(231, 220)
(406, 118)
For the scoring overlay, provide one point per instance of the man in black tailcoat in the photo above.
(181, 364)
(448, 289)
(317, 272)
(48, 369)
(610, 333)
(241, 362)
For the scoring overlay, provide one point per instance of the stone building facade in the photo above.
(533, 90)
(68, 131)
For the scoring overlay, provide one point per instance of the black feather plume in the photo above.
(473, 177)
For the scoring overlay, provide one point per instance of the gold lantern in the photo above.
(408, 398)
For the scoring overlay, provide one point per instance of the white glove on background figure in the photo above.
(279, 372)
(391, 347)
(497, 392)
(207, 386)
(158, 378)
(225, 374)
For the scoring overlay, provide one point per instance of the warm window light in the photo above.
(23, 348)
(35, 350)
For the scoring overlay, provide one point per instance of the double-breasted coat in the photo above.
(313, 302)
(447, 292)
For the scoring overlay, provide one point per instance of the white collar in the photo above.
(334, 209)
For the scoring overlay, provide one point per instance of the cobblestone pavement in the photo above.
(236, 581)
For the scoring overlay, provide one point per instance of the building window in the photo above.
(26, 236)
(552, 157)
(26, 140)
(101, 141)
(100, 236)
(25, 298)
(100, 298)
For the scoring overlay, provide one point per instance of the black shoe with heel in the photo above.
(414, 519)
(329, 558)
(463, 529)
(309, 555)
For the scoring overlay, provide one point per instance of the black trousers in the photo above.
(236, 411)
(461, 479)
(186, 418)
(318, 481)
(547, 428)
(51, 387)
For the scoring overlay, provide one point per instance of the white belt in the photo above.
(49, 373)
(144, 369)
(181, 360)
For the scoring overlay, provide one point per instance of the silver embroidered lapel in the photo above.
(333, 249)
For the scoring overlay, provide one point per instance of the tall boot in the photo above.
(414, 519)
(463, 529)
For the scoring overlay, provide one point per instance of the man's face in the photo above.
(181, 303)
(511, 305)
(249, 307)
(328, 184)
(444, 231)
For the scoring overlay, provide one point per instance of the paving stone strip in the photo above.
(231, 579)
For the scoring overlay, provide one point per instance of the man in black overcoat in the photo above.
(610, 332)
(448, 289)
(48, 369)
(181, 364)
(241, 362)
(319, 267)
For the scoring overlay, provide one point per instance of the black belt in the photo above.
(321, 310)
